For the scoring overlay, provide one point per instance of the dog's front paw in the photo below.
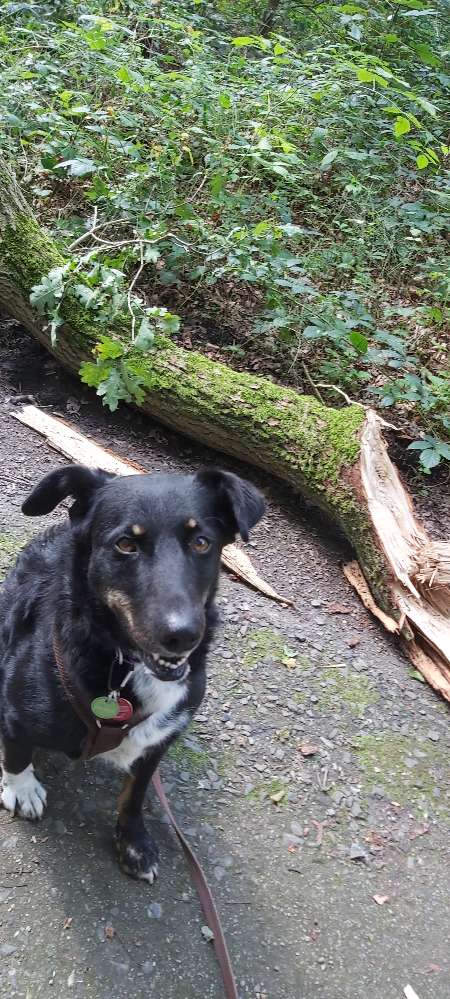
(137, 853)
(23, 795)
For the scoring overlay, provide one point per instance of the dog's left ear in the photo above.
(71, 480)
(240, 503)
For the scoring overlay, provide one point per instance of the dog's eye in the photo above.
(127, 546)
(200, 545)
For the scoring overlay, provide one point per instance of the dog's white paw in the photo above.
(22, 794)
(150, 875)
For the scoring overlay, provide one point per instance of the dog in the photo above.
(121, 596)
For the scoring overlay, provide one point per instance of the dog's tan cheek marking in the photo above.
(137, 530)
(119, 602)
(191, 523)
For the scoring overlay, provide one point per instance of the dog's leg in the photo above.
(22, 794)
(136, 850)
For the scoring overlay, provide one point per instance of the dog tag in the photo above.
(125, 710)
(104, 707)
(108, 709)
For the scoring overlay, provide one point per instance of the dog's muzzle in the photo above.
(169, 669)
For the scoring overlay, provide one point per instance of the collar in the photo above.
(102, 735)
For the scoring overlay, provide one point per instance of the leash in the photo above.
(102, 737)
(204, 893)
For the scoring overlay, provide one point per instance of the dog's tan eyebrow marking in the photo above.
(191, 522)
(137, 530)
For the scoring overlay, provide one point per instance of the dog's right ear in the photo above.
(71, 480)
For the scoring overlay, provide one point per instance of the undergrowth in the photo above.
(275, 173)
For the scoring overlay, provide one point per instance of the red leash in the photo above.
(204, 894)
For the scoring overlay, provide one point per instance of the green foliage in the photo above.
(280, 169)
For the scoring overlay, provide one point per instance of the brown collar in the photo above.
(101, 736)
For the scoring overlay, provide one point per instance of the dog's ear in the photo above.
(71, 480)
(241, 505)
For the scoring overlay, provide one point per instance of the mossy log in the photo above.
(334, 458)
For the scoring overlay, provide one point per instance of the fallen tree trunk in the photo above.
(335, 458)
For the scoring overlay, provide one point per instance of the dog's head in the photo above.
(152, 545)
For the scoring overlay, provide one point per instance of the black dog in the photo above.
(127, 591)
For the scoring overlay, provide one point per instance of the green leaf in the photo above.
(417, 446)
(241, 40)
(328, 159)
(443, 449)
(92, 374)
(45, 295)
(108, 349)
(429, 459)
(84, 294)
(422, 161)
(78, 167)
(365, 76)
(279, 169)
(112, 390)
(262, 228)
(151, 254)
(217, 184)
(427, 55)
(312, 333)
(146, 336)
(123, 74)
(225, 101)
(415, 675)
(402, 125)
(359, 342)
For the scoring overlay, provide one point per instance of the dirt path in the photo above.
(296, 846)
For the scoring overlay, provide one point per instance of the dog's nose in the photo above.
(180, 633)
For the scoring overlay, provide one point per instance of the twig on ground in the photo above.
(137, 240)
(87, 233)
(130, 291)
(92, 233)
(349, 401)
(312, 384)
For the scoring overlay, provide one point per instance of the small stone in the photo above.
(433, 735)
(122, 970)
(289, 840)
(316, 603)
(219, 873)
(296, 829)
(7, 949)
(147, 968)
(154, 911)
(377, 792)
(356, 810)
(357, 852)
(60, 828)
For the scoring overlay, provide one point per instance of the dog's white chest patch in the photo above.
(160, 701)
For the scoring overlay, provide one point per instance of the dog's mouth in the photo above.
(169, 669)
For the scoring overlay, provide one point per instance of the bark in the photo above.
(335, 458)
